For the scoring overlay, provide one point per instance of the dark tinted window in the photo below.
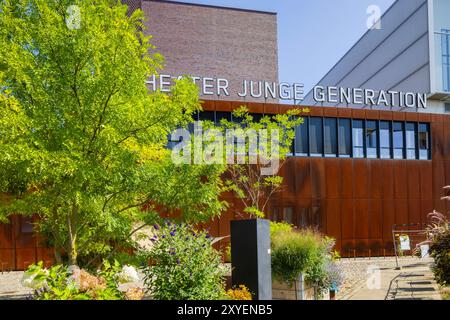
(316, 137)
(330, 137)
(256, 117)
(302, 139)
(345, 138)
(207, 116)
(223, 115)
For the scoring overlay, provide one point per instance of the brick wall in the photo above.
(214, 42)
(132, 5)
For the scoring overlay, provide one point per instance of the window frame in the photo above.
(363, 147)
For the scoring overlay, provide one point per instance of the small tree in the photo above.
(82, 142)
(246, 179)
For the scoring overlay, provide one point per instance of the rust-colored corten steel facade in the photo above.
(357, 201)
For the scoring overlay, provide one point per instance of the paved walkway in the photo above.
(11, 288)
(414, 281)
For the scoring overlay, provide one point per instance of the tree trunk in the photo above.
(72, 252)
(57, 254)
(72, 249)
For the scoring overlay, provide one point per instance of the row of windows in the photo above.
(352, 138)
(373, 139)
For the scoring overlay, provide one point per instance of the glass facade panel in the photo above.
(385, 140)
(222, 116)
(358, 139)
(330, 137)
(399, 140)
(372, 139)
(345, 138)
(302, 139)
(256, 117)
(441, 31)
(316, 137)
(424, 141)
(445, 43)
(411, 141)
(207, 116)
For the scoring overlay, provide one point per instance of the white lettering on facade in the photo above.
(210, 86)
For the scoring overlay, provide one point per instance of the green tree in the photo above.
(247, 179)
(82, 141)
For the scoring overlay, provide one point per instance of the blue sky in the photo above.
(312, 34)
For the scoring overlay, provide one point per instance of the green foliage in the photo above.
(276, 227)
(304, 252)
(246, 180)
(228, 254)
(184, 265)
(439, 231)
(440, 248)
(294, 253)
(59, 283)
(440, 251)
(82, 141)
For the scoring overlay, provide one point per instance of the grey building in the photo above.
(410, 53)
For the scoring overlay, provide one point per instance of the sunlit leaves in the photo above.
(82, 138)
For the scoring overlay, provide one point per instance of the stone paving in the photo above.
(414, 281)
(11, 288)
(355, 273)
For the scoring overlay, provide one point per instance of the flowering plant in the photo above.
(73, 283)
(128, 274)
(241, 294)
(34, 277)
(184, 265)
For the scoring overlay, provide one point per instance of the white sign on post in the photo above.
(405, 244)
(424, 251)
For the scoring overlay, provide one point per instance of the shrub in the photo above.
(440, 251)
(241, 294)
(276, 227)
(72, 283)
(184, 265)
(307, 252)
(293, 253)
(440, 247)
